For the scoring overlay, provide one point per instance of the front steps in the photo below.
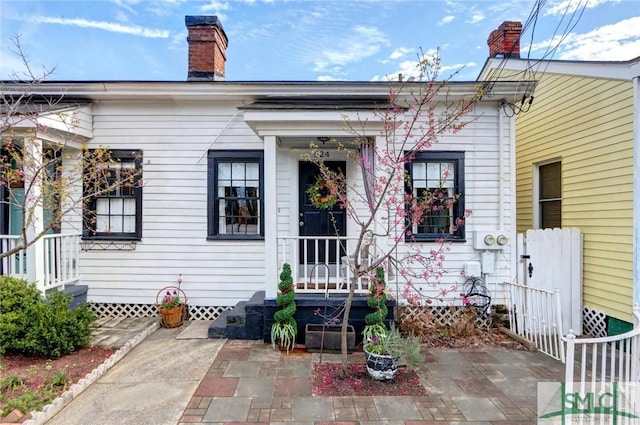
(244, 321)
(252, 320)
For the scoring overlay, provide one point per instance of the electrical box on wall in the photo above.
(489, 239)
(472, 269)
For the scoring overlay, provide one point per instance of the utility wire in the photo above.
(530, 74)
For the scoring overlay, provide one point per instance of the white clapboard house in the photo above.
(223, 202)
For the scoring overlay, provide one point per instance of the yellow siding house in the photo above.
(575, 132)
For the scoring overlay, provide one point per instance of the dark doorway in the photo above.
(318, 222)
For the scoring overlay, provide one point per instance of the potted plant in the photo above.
(284, 328)
(171, 302)
(374, 321)
(385, 353)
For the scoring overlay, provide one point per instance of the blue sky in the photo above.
(303, 40)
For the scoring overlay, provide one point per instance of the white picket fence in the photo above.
(537, 317)
(606, 367)
(598, 362)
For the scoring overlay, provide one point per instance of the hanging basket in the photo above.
(172, 317)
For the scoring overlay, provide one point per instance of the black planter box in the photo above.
(310, 305)
(328, 337)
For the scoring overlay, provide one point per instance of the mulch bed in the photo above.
(329, 380)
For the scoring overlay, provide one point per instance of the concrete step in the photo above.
(217, 328)
(244, 321)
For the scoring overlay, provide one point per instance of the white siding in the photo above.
(174, 138)
(480, 142)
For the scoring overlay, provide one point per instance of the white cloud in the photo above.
(399, 52)
(178, 41)
(615, 42)
(106, 26)
(127, 5)
(215, 6)
(328, 78)
(361, 43)
(11, 67)
(569, 6)
(447, 20)
(121, 16)
(476, 17)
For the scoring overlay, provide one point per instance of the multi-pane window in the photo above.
(114, 209)
(550, 195)
(235, 195)
(436, 185)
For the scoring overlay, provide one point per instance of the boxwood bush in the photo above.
(33, 325)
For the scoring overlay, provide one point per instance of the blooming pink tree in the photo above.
(385, 208)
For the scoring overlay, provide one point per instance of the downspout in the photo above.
(513, 234)
(500, 167)
(636, 189)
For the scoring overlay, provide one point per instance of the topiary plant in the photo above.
(374, 321)
(284, 328)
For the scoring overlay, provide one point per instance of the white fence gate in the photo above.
(551, 259)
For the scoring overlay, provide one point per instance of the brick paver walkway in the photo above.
(249, 382)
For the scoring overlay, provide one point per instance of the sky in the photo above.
(303, 40)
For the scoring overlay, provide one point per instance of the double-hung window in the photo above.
(114, 206)
(550, 195)
(235, 194)
(435, 181)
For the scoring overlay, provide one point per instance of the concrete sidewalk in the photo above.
(152, 384)
(178, 376)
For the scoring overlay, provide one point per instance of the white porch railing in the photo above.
(14, 265)
(51, 262)
(596, 363)
(321, 264)
(536, 316)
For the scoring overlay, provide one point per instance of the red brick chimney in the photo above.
(505, 41)
(207, 48)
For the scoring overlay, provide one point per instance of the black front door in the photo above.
(318, 222)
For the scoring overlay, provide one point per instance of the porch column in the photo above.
(270, 217)
(34, 211)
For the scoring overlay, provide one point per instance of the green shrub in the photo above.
(45, 327)
(18, 301)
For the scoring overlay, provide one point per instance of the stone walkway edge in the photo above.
(50, 410)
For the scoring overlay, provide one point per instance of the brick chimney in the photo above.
(505, 41)
(207, 48)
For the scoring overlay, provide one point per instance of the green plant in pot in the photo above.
(374, 321)
(284, 328)
(386, 350)
(384, 354)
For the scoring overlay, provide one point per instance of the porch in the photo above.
(51, 262)
(323, 265)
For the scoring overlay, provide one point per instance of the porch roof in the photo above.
(321, 103)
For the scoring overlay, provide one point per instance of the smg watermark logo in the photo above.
(609, 403)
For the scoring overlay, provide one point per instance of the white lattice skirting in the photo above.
(594, 323)
(440, 316)
(150, 310)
